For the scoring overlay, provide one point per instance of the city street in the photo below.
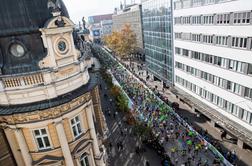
(126, 155)
(204, 158)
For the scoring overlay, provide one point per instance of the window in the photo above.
(245, 115)
(196, 19)
(222, 40)
(177, 20)
(42, 139)
(196, 37)
(177, 50)
(186, 36)
(239, 42)
(249, 68)
(242, 18)
(76, 126)
(178, 35)
(197, 2)
(209, 1)
(177, 5)
(186, 3)
(84, 160)
(223, 18)
(217, 61)
(248, 92)
(229, 107)
(186, 20)
(185, 52)
(195, 55)
(235, 110)
(208, 19)
(207, 39)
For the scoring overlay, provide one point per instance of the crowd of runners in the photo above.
(180, 141)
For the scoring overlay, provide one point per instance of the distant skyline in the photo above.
(81, 8)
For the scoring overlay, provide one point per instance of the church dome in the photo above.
(21, 45)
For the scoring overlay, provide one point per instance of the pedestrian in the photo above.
(147, 163)
(120, 124)
(109, 113)
(223, 135)
(125, 130)
(121, 145)
(137, 150)
(118, 145)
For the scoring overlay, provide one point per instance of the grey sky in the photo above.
(79, 8)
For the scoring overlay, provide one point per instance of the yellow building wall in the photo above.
(54, 136)
(84, 119)
(68, 131)
(56, 153)
(29, 139)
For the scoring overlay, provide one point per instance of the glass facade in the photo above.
(157, 31)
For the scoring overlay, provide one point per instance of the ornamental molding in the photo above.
(50, 113)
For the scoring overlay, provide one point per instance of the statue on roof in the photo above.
(54, 5)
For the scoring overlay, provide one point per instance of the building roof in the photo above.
(25, 16)
(99, 18)
(20, 21)
(42, 105)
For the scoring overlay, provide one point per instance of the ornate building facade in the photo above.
(50, 111)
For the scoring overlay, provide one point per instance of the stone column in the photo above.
(11, 140)
(23, 147)
(64, 144)
(97, 153)
(77, 162)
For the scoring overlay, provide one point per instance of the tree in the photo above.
(121, 99)
(123, 43)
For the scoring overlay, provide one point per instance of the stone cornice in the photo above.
(51, 113)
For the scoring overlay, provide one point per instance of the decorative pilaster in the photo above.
(97, 153)
(64, 144)
(23, 147)
(17, 155)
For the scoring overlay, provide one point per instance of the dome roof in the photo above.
(19, 16)
(20, 21)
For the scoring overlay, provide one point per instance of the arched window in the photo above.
(84, 160)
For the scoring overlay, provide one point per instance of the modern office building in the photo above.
(106, 27)
(50, 112)
(158, 35)
(129, 14)
(95, 26)
(213, 61)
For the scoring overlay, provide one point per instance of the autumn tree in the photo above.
(123, 42)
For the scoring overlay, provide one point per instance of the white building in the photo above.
(130, 14)
(106, 27)
(213, 61)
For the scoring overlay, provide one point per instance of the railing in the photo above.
(35, 79)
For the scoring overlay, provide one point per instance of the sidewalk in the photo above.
(245, 156)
